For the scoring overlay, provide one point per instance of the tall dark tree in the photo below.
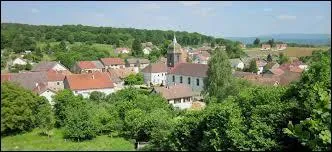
(253, 66)
(137, 48)
(257, 41)
(269, 58)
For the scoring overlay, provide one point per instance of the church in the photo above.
(180, 72)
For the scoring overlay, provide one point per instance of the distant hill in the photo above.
(313, 39)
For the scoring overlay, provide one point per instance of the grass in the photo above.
(290, 51)
(32, 141)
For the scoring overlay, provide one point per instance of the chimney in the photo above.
(37, 84)
(93, 76)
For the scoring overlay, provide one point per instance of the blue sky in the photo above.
(220, 19)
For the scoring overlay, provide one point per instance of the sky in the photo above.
(214, 18)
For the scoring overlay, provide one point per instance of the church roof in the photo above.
(190, 69)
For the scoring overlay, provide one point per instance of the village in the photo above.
(178, 81)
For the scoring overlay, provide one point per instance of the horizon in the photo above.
(234, 19)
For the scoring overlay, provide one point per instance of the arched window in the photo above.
(180, 79)
(188, 80)
(197, 82)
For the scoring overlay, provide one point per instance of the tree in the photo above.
(213, 44)
(28, 66)
(80, 123)
(62, 46)
(312, 118)
(45, 118)
(269, 58)
(271, 42)
(137, 48)
(256, 42)
(97, 96)
(134, 79)
(71, 39)
(253, 66)
(219, 75)
(19, 108)
(282, 58)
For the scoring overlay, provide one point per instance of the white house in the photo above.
(180, 96)
(236, 63)
(155, 74)
(260, 64)
(19, 61)
(46, 92)
(84, 84)
(147, 50)
(122, 50)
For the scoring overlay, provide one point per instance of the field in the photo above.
(290, 51)
(32, 141)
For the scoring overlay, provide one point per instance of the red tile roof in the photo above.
(86, 65)
(112, 61)
(6, 77)
(277, 71)
(190, 69)
(56, 75)
(98, 80)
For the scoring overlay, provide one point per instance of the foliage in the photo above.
(19, 109)
(97, 96)
(253, 66)
(45, 118)
(271, 42)
(219, 75)
(313, 94)
(80, 123)
(282, 58)
(63, 100)
(137, 50)
(134, 79)
(269, 58)
(256, 42)
(154, 55)
(22, 43)
(234, 50)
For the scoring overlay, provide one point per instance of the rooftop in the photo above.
(98, 80)
(175, 91)
(190, 69)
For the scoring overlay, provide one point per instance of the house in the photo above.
(27, 52)
(180, 96)
(34, 81)
(147, 50)
(84, 84)
(55, 80)
(44, 91)
(266, 47)
(200, 59)
(46, 66)
(117, 76)
(260, 64)
(236, 63)
(88, 67)
(19, 61)
(265, 79)
(137, 62)
(155, 74)
(122, 50)
(281, 46)
(113, 63)
(147, 44)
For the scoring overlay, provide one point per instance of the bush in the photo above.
(19, 109)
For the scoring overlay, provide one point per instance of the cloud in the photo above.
(34, 10)
(267, 9)
(286, 17)
(190, 3)
(204, 12)
(150, 6)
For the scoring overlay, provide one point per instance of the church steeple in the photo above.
(174, 39)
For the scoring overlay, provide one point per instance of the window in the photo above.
(180, 79)
(197, 82)
(188, 80)
(173, 78)
(58, 83)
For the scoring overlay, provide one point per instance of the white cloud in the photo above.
(286, 17)
(150, 6)
(267, 9)
(190, 3)
(34, 10)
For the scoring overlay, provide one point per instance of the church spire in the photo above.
(174, 40)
